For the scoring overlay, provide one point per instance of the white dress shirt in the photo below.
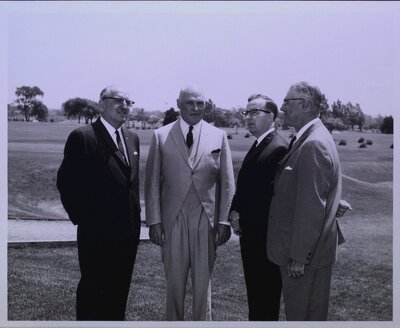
(196, 136)
(111, 131)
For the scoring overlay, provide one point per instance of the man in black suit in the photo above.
(99, 188)
(250, 207)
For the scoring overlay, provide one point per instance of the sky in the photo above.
(230, 50)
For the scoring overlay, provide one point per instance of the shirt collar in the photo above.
(305, 127)
(109, 127)
(185, 126)
(264, 135)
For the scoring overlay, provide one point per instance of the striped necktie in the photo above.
(291, 143)
(120, 147)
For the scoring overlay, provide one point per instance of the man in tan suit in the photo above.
(303, 231)
(189, 184)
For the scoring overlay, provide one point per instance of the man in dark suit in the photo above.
(99, 188)
(250, 207)
(303, 232)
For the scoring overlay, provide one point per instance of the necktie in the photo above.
(120, 147)
(251, 150)
(189, 137)
(291, 143)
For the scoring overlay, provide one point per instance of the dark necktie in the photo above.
(189, 137)
(120, 147)
(251, 150)
(291, 143)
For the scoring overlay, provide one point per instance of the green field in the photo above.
(362, 282)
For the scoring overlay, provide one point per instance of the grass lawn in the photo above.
(42, 281)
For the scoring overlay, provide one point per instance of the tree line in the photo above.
(338, 116)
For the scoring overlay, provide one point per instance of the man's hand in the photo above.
(343, 207)
(156, 234)
(223, 233)
(234, 219)
(295, 269)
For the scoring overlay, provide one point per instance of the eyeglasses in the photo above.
(285, 101)
(254, 112)
(122, 101)
(198, 104)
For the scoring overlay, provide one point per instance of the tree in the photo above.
(153, 120)
(26, 99)
(170, 116)
(81, 107)
(354, 116)
(332, 123)
(39, 110)
(140, 115)
(387, 125)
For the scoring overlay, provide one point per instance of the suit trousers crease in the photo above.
(307, 298)
(262, 278)
(191, 247)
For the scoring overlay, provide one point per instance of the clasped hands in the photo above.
(156, 234)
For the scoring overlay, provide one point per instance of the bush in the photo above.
(363, 145)
(369, 142)
(230, 136)
(342, 142)
(247, 135)
(361, 140)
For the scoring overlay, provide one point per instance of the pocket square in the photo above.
(288, 168)
(135, 153)
(216, 151)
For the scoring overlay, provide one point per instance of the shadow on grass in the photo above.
(42, 283)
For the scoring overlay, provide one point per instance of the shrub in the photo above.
(363, 145)
(369, 142)
(247, 135)
(230, 136)
(342, 142)
(361, 140)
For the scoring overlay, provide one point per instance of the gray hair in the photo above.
(312, 94)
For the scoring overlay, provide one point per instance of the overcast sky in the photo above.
(228, 49)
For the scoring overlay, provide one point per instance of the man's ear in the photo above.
(178, 103)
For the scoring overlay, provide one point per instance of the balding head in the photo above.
(191, 103)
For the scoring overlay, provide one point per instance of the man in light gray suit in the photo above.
(303, 231)
(189, 184)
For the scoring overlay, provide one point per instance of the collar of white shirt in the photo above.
(264, 135)
(111, 130)
(304, 128)
(185, 127)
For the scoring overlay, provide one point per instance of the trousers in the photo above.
(190, 247)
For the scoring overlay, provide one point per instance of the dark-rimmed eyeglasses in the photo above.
(198, 104)
(289, 99)
(254, 112)
(122, 101)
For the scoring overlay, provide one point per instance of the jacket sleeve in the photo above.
(227, 181)
(71, 178)
(315, 170)
(152, 187)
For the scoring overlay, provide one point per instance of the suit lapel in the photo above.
(204, 137)
(299, 142)
(177, 136)
(131, 150)
(252, 154)
(107, 141)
